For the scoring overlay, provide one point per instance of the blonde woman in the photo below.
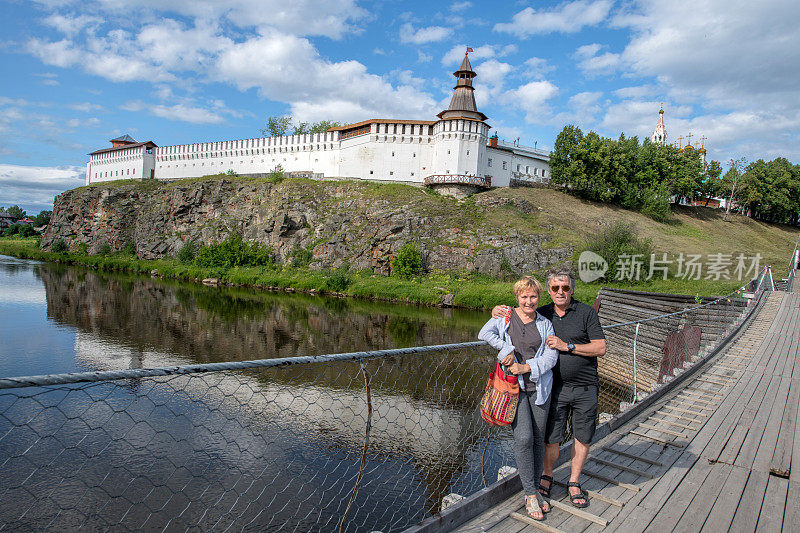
(521, 346)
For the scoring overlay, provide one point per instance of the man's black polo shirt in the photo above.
(579, 325)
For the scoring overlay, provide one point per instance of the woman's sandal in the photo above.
(582, 495)
(533, 509)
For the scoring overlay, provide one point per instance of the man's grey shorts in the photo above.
(582, 401)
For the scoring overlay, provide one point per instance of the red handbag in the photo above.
(499, 402)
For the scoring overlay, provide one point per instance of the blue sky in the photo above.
(77, 73)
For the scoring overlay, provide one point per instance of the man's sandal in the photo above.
(582, 495)
(545, 491)
(533, 509)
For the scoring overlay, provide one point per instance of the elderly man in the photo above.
(579, 340)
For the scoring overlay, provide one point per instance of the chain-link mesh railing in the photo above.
(370, 442)
(347, 442)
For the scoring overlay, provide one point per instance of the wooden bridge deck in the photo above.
(715, 455)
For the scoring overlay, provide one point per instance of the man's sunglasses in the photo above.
(565, 288)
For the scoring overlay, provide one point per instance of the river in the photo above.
(268, 450)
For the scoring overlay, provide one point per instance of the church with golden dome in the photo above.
(659, 136)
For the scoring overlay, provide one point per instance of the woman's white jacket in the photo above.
(496, 333)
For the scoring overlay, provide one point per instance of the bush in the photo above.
(59, 246)
(617, 240)
(233, 252)
(655, 203)
(300, 257)
(129, 249)
(83, 248)
(187, 252)
(408, 261)
(105, 249)
(338, 281)
(276, 175)
(23, 230)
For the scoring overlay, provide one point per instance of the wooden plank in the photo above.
(729, 413)
(680, 500)
(662, 430)
(771, 518)
(568, 508)
(656, 439)
(758, 435)
(595, 495)
(679, 417)
(493, 516)
(618, 466)
(782, 458)
(601, 477)
(721, 516)
(749, 507)
(762, 455)
(631, 456)
(714, 382)
(694, 399)
(541, 526)
(704, 500)
(687, 411)
(714, 393)
(676, 424)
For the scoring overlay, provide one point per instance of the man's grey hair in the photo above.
(562, 271)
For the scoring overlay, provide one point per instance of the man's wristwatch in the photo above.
(570, 347)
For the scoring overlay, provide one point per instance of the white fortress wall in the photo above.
(389, 152)
(317, 153)
(124, 163)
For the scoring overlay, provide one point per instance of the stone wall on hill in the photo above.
(359, 224)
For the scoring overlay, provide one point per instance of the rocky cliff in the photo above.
(356, 223)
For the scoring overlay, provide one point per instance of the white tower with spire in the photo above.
(660, 133)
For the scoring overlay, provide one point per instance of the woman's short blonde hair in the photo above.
(527, 283)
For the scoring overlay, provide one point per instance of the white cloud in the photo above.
(288, 68)
(422, 57)
(492, 75)
(455, 55)
(591, 63)
(460, 6)
(532, 98)
(538, 67)
(568, 17)
(180, 112)
(429, 34)
(734, 50)
(71, 25)
(34, 187)
(641, 91)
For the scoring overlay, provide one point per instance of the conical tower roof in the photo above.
(659, 135)
(462, 104)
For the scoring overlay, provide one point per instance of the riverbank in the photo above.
(471, 291)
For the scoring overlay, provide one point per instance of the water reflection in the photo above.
(290, 438)
(205, 324)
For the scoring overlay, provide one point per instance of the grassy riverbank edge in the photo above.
(469, 291)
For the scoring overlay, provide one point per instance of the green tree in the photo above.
(731, 179)
(15, 211)
(42, 218)
(277, 126)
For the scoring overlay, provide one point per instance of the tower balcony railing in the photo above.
(459, 179)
